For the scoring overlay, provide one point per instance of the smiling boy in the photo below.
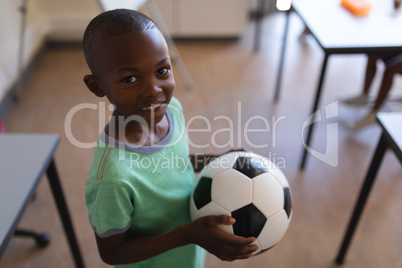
(139, 213)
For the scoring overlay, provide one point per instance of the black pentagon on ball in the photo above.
(249, 166)
(202, 192)
(288, 201)
(249, 221)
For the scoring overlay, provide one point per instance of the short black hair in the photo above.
(110, 24)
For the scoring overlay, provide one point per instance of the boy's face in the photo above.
(135, 74)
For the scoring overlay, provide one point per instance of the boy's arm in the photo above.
(120, 249)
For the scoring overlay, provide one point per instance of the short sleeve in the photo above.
(110, 207)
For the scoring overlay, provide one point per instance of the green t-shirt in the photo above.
(144, 190)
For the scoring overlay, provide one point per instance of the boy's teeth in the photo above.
(151, 108)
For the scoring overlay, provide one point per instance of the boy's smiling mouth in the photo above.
(152, 108)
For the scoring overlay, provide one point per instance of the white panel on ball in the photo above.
(268, 194)
(208, 210)
(231, 190)
(274, 230)
(217, 166)
(280, 176)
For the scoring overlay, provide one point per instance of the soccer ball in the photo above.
(249, 188)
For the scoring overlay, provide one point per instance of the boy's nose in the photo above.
(152, 89)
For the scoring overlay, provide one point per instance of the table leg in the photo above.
(317, 98)
(282, 59)
(364, 192)
(58, 195)
(258, 25)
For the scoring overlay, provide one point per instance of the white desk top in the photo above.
(392, 124)
(23, 160)
(334, 27)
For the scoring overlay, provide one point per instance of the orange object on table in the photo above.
(358, 8)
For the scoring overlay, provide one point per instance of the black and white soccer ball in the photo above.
(249, 188)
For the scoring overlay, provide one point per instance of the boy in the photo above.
(139, 210)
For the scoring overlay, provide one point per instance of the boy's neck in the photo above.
(135, 133)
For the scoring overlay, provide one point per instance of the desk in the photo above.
(339, 32)
(24, 158)
(391, 137)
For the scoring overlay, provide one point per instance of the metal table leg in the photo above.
(364, 192)
(282, 59)
(258, 25)
(317, 98)
(58, 195)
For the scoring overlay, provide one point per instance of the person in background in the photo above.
(393, 65)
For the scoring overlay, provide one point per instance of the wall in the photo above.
(65, 20)
(46, 19)
(9, 33)
(203, 19)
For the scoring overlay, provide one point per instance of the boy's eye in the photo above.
(163, 71)
(129, 79)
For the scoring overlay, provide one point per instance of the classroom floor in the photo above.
(230, 80)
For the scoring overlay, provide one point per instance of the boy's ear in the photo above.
(93, 85)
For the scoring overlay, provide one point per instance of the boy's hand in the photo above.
(205, 233)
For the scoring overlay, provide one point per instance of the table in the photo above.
(24, 158)
(337, 31)
(391, 137)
